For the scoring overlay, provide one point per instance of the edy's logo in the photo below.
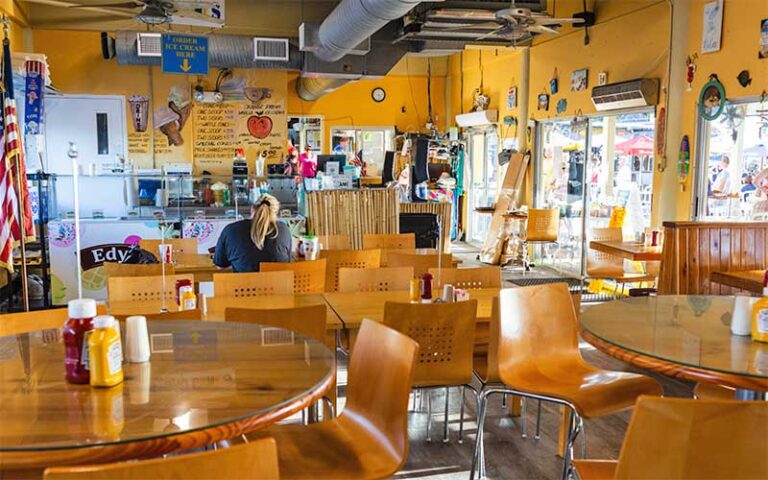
(93, 257)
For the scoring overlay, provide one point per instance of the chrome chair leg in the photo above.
(478, 459)
(583, 438)
(574, 422)
(429, 414)
(445, 418)
(331, 409)
(461, 414)
(538, 421)
(524, 417)
(504, 401)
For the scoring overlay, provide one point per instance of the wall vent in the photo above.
(149, 44)
(634, 93)
(272, 49)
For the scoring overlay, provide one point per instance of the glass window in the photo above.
(367, 143)
(304, 131)
(732, 179)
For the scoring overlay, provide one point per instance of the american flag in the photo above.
(11, 157)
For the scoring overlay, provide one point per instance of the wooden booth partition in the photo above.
(353, 213)
(442, 210)
(693, 250)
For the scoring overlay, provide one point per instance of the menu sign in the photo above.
(215, 127)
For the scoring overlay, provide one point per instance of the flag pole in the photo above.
(19, 190)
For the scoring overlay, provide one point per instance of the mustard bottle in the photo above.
(760, 315)
(105, 352)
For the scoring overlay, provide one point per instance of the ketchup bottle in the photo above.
(81, 314)
(426, 293)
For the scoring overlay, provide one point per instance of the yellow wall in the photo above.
(739, 46)
(78, 68)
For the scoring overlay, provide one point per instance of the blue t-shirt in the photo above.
(236, 249)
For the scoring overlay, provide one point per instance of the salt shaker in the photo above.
(137, 340)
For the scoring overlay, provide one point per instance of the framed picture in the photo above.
(712, 31)
(512, 97)
(763, 54)
(543, 102)
(579, 80)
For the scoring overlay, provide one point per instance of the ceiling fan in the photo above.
(203, 13)
(515, 23)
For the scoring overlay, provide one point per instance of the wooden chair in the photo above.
(420, 263)
(309, 321)
(388, 241)
(25, 322)
(469, 278)
(180, 245)
(602, 265)
(308, 277)
(238, 285)
(710, 391)
(539, 358)
(375, 279)
(334, 242)
(445, 333)
(195, 314)
(112, 269)
(347, 259)
(141, 289)
(689, 440)
(257, 459)
(542, 227)
(369, 439)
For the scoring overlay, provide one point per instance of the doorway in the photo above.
(483, 181)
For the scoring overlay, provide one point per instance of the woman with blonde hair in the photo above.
(245, 244)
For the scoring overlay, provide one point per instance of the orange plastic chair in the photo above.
(445, 333)
(539, 358)
(369, 439)
(309, 321)
(257, 459)
(543, 225)
(195, 314)
(112, 269)
(710, 391)
(252, 284)
(347, 259)
(308, 276)
(389, 241)
(142, 289)
(180, 245)
(689, 440)
(386, 279)
(469, 278)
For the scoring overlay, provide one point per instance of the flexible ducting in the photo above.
(312, 88)
(353, 21)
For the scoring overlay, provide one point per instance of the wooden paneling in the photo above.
(693, 250)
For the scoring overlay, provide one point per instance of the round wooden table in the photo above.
(680, 336)
(205, 382)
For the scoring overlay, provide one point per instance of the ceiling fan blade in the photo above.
(491, 33)
(542, 29)
(469, 26)
(64, 4)
(110, 5)
(558, 21)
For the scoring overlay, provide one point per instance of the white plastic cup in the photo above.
(449, 295)
(741, 319)
(310, 246)
(136, 340)
(166, 252)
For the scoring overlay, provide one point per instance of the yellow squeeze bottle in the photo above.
(105, 352)
(760, 315)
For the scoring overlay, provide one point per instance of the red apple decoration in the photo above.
(259, 126)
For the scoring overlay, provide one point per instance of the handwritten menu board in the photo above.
(215, 136)
(139, 144)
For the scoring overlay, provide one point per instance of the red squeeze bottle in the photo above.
(81, 314)
(426, 293)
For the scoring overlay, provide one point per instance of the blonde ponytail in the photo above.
(264, 221)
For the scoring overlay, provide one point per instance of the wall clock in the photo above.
(378, 94)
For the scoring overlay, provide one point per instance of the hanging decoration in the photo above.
(712, 99)
(512, 98)
(744, 78)
(480, 101)
(733, 116)
(562, 105)
(763, 52)
(690, 70)
(553, 84)
(712, 30)
(139, 111)
(579, 80)
(602, 78)
(661, 131)
(763, 112)
(684, 162)
(543, 103)
(34, 91)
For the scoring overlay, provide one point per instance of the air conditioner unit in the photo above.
(477, 119)
(272, 49)
(149, 44)
(643, 92)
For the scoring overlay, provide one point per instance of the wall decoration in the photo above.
(690, 70)
(171, 119)
(139, 108)
(763, 52)
(553, 84)
(602, 78)
(480, 101)
(661, 131)
(712, 31)
(543, 103)
(257, 95)
(34, 91)
(712, 99)
(684, 162)
(259, 125)
(744, 78)
(579, 80)
(562, 105)
(512, 98)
